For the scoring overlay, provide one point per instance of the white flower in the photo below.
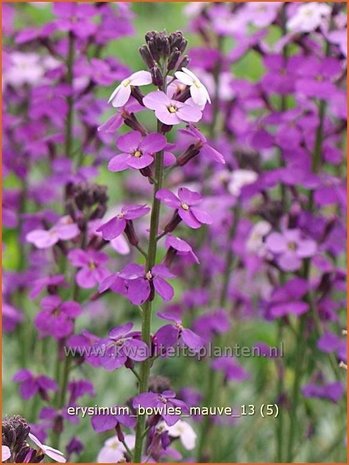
(5, 453)
(113, 450)
(184, 432)
(255, 241)
(308, 17)
(239, 179)
(198, 91)
(122, 93)
(24, 68)
(54, 454)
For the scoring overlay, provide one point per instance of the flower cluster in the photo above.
(200, 208)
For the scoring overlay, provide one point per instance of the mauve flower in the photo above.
(231, 369)
(116, 226)
(331, 391)
(240, 178)
(75, 18)
(80, 388)
(290, 248)
(113, 451)
(186, 206)
(212, 324)
(287, 299)
(92, 267)
(169, 335)
(140, 283)
(170, 111)
(52, 453)
(198, 91)
(122, 93)
(63, 230)
(49, 282)
(138, 151)
(102, 423)
(31, 384)
(161, 401)
(24, 68)
(330, 342)
(315, 77)
(308, 17)
(180, 246)
(201, 143)
(11, 317)
(122, 344)
(56, 318)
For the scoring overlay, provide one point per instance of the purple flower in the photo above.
(140, 284)
(162, 402)
(56, 318)
(122, 344)
(331, 391)
(212, 324)
(79, 388)
(34, 384)
(231, 369)
(117, 225)
(102, 423)
(138, 151)
(122, 93)
(52, 453)
(330, 342)
(201, 142)
(290, 248)
(186, 205)
(64, 230)
(49, 282)
(170, 335)
(287, 299)
(10, 317)
(91, 264)
(170, 111)
(75, 18)
(180, 246)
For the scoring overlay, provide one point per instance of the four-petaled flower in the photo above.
(140, 284)
(290, 248)
(56, 318)
(169, 335)
(201, 142)
(137, 150)
(122, 344)
(198, 91)
(123, 91)
(116, 225)
(63, 230)
(160, 401)
(186, 204)
(91, 263)
(170, 111)
(31, 384)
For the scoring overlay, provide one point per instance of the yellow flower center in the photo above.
(137, 153)
(292, 246)
(92, 266)
(126, 82)
(185, 206)
(197, 83)
(172, 109)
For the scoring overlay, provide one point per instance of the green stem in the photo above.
(147, 307)
(212, 376)
(301, 340)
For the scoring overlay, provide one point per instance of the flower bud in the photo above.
(147, 56)
(157, 77)
(191, 152)
(172, 61)
(173, 223)
(131, 233)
